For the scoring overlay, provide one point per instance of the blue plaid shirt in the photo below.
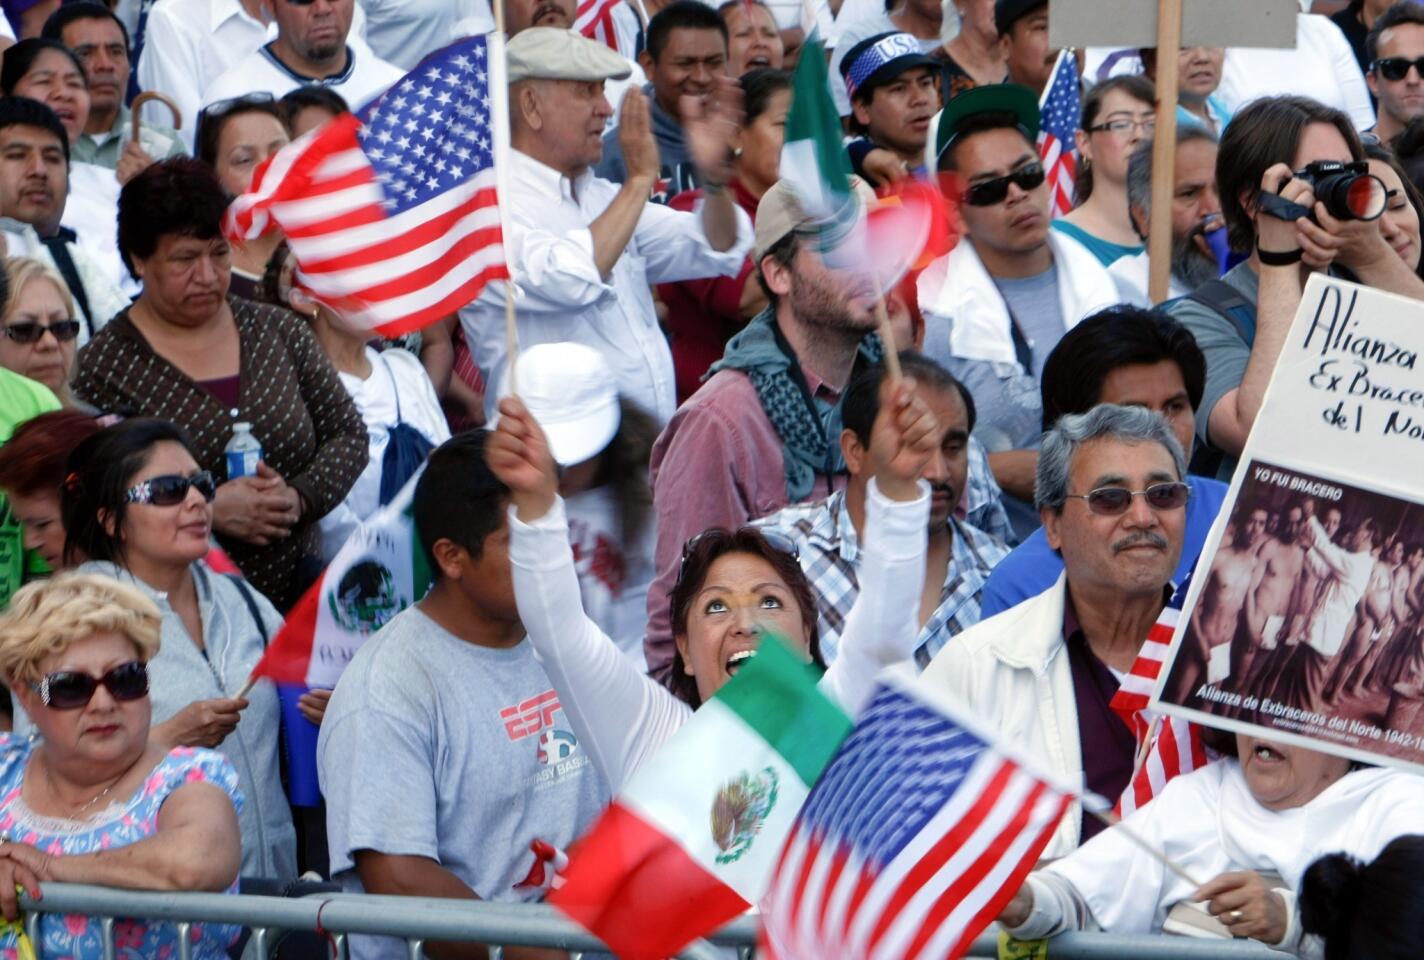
(830, 558)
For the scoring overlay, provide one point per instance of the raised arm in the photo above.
(620, 715)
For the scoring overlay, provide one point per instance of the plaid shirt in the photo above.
(982, 505)
(830, 558)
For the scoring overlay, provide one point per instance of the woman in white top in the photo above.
(389, 387)
(1263, 809)
(734, 587)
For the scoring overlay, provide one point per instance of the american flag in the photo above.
(914, 839)
(1167, 746)
(393, 213)
(1061, 111)
(594, 19)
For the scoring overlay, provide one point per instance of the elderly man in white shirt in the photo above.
(583, 251)
(315, 44)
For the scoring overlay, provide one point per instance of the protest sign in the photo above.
(1205, 23)
(1303, 623)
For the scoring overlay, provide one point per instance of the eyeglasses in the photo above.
(70, 689)
(30, 331)
(1124, 126)
(777, 540)
(1395, 69)
(1114, 501)
(171, 489)
(986, 193)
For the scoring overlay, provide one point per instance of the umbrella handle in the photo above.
(162, 98)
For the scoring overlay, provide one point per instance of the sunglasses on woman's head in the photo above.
(986, 193)
(171, 489)
(30, 331)
(1114, 501)
(779, 541)
(71, 689)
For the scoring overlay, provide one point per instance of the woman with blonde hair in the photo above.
(93, 799)
(39, 326)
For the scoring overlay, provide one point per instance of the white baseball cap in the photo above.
(571, 392)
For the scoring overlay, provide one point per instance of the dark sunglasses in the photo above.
(1114, 501)
(1395, 69)
(171, 489)
(779, 541)
(986, 193)
(70, 689)
(30, 331)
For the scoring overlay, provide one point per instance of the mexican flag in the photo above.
(378, 572)
(813, 160)
(694, 838)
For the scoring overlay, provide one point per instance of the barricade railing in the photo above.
(420, 919)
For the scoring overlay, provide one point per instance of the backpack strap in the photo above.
(58, 248)
(251, 601)
(1226, 300)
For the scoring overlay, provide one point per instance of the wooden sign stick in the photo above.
(1164, 150)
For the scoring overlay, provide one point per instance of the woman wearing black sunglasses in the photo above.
(137, 505)
(38, 331)
(95, 798)
(734, 588)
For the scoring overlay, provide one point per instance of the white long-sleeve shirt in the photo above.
(1320, 66)
(1208, 823)
(620, 714)
(563, 297)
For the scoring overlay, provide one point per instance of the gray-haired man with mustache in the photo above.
(1110, 491)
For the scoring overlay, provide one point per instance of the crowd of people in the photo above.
(699, 439)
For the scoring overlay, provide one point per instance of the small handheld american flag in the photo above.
(594, 19)
(1167, 746)
(914, 839)
(1061, 111)
(393, 213)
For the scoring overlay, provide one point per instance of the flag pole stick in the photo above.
(511, 329)
(1114, 821)
(247, 687)
(1164, 150)
(887, 336)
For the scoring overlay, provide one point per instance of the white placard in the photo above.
(1205, 23)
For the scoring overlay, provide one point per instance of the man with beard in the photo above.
(1196, 211)
(310, 47)
(996, 305)
(583, 250)
(762, 431)
(829, 532)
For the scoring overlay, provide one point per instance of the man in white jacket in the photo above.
(995, 306)
(1042, 674)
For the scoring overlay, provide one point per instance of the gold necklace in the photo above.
(49, 782)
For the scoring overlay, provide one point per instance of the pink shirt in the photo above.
(718, 463)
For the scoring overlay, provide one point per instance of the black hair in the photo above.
(17, 60)
(295, 101)
(458, 498)
(1367, 910)
(179, 196)
(98, 473)
(759, 86)
(53, 28)
(1377, 151)
(1137, 87)
(681, 15)
(1264, 133)
(861, 404)
(1406, 11)
(24, 112)
(783, 252)
(981, 123)
(1120, 336)
(210, 128)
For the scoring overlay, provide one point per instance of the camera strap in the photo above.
(1281, 208)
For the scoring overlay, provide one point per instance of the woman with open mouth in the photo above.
(1246, 827)
(735, 588)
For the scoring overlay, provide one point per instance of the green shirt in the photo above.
(21, 399)
(88, 150)
(1106, 251)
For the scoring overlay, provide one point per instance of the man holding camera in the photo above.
(1275, 155)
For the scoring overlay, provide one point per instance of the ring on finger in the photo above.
(1235, 916)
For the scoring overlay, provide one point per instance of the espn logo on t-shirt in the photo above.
(530, 716)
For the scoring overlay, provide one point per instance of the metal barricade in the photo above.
(420, 919)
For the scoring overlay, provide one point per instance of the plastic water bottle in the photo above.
(242, 452)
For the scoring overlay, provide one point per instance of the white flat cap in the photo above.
(550, 53)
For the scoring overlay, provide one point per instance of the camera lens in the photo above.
(1351, 196)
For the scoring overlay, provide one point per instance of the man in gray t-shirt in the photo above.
(444, 753)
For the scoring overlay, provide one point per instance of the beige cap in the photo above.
(778, 213)
(550, 53)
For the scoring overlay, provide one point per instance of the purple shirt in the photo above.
(1108, 747)
(718, 463)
